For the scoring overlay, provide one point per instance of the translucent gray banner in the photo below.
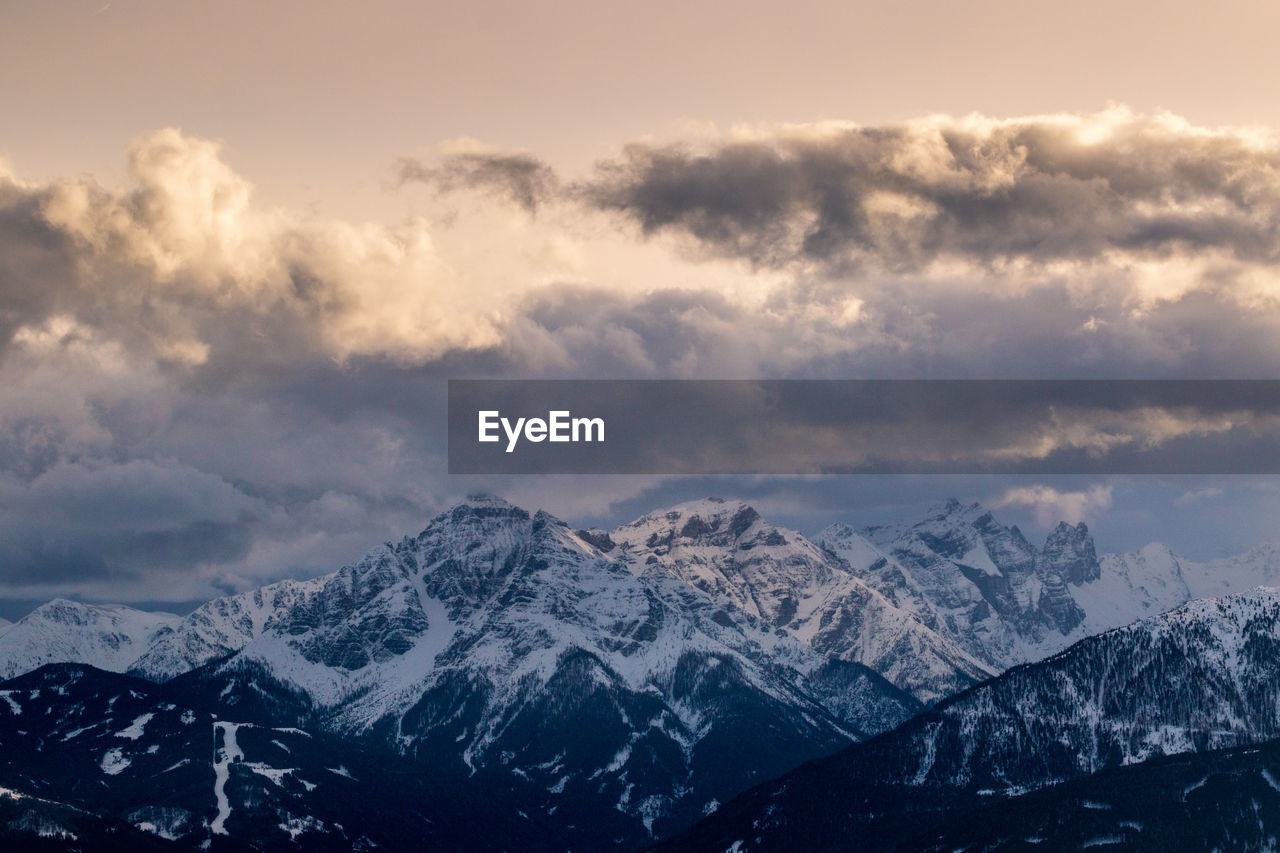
(864, 426)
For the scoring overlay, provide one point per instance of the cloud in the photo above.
(1112, 186)
(1067, 245)
(1071, 245)
(184, 265)
(1193, 496)
(1050, 505)
(98, 521)
(520, 177)
(284, 371)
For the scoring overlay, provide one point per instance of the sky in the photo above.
(243, 247)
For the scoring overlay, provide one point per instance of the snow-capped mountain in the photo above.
(934, 606)
(979, 584)
(591, 689)
(108, 636)
(726, 549)
(986, 590)
(1154, 579)
(217, 629)
(1203, 677)
(503, 646)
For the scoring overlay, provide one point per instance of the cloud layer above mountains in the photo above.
(197, 388)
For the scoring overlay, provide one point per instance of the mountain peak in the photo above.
(61, 604)
(953, 509)
(65, 610)
(108, 636)
(1156, 549)
(710, 518)
(482, 497)
(484, 502)
(1070, 550)
(710, 507)
(477, 508)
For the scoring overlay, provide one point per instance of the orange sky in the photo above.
(315, 100)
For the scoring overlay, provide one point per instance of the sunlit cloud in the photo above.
(1050, 505)
(170, 328)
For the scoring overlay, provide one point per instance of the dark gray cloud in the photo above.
(899, 197)
(520, 178)
(37, 261)
(102, 522)
(919, 329)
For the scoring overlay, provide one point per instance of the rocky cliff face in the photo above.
(216, 629)
(727, 550)
(934, 605)
(982, 585)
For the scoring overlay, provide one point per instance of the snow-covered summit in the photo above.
(216, 629)
(933, 604)
(985, 588)
(498, 639)
(726, 549)
(108, 636)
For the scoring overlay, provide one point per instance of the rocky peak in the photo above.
(848, 544)
(972, 514)
(726, 548)
(968, 535)
(1071, 552)
(598, 538)
(479, 507)
(713, 522)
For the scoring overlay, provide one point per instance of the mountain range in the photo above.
(935, 605)
(1201, 678)
(589, 689)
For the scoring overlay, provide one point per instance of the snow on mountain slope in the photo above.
(165, 772)
(985, 589)
(1203, 677)
(1154, 579)
(726, 549)
(216, 629)
(978, 583)
(933, 606)
(505, 645)
(108, 636)
(1133, 586)
(923, 622)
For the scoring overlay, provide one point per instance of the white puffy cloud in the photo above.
(185, 262)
